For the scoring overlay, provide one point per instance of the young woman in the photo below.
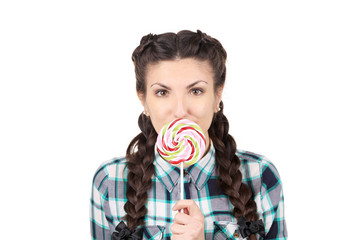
(230, 194)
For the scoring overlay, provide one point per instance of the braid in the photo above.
(228, 163)
(171, 46)
(140, 171)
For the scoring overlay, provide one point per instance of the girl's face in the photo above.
(181, 89)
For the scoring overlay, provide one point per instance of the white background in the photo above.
(68, 102)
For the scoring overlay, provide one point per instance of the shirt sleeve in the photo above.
(272, 202)
(99, 204)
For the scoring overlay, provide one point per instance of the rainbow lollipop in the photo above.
(181, 141)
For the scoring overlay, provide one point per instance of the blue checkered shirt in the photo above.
(200, 184)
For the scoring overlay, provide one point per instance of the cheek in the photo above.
(159, 115)
(207, 122)
(204, 114)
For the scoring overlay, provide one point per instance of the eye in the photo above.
(196, 91)
(161, 93)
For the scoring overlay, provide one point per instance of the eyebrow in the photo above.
(188, 87)
(193, 84)
(161, 85)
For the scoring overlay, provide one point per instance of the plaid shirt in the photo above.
(200, 184)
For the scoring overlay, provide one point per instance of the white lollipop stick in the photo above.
(182, 181)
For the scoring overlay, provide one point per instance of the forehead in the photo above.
(179, 70)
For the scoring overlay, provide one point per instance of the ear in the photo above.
(141, 97)
(218, 96)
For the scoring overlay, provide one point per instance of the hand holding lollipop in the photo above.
(181, 141)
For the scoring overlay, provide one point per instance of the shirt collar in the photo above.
(200, 172)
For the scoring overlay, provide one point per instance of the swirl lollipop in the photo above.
(181, 141)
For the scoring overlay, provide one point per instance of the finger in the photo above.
(177, 237)
(190, 205)
(182, 218)
(178, 228)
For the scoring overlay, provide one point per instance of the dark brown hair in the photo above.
(140, 153)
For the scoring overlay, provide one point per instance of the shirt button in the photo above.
(236, 235)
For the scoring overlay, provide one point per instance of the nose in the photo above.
(180, 109)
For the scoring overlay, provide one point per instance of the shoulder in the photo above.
(109, 170)
(259, 169)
